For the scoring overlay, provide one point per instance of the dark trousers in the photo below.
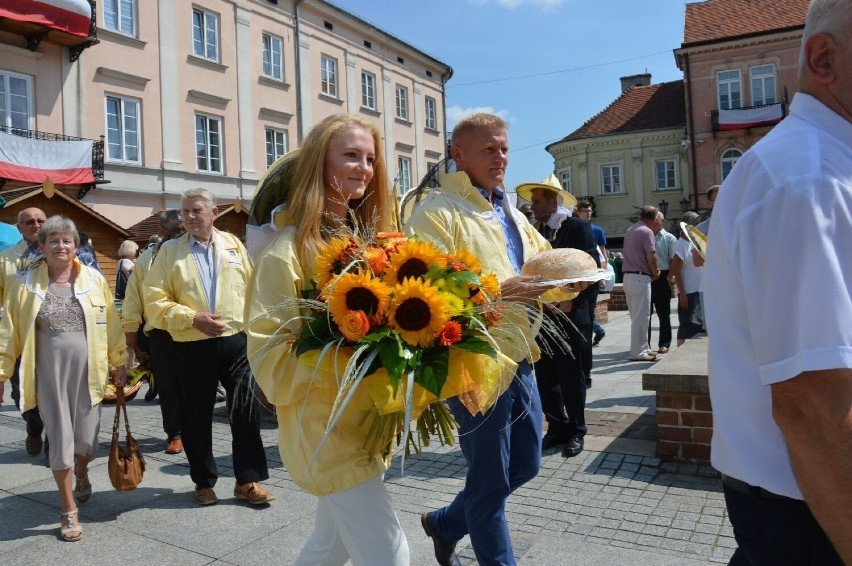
(166, 377)
(202, 365)
(777, 532)
(562, 376)
(35, 426)
(661, 301)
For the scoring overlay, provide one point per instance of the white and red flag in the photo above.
(33, 160)
(70, 16)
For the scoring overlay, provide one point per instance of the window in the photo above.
(16, 101)
(565, 178)
(431, 114)
(120, 16)
(763, 85)
(610, 179)
(730, 90)
(273, 62)
(404, 175)
(368, 90)
(205, 34)
(729, 159)
(329, 76)
(666, 176)
(276, 145)
(208, 143)
(122, 129)
(401, 102)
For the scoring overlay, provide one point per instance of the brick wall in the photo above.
(684, 426)
(617, 300)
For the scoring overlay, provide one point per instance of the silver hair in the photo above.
(831, 17)
(58, 225)
(202, 194)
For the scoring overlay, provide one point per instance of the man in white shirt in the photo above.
(778, 289)
(661, 290)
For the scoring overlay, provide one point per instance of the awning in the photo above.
(33, 160)
(741, 118)
(69, 16)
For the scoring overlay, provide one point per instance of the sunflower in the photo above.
(413, 259)
(467, 260)
(358, 291)
(333, 258)
(418, 312)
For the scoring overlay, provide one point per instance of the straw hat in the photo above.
(551, 183)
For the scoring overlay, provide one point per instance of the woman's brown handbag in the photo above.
(126, 463)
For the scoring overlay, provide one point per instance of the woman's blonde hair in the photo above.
(306, 206)
(128, 249)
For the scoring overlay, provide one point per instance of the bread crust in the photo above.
(560, 263)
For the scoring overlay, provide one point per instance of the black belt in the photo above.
(743, 487)
(635, 273)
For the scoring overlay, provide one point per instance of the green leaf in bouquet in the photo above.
(307, 344)
(377, 335)
(393, 360)
(464, 277)
(432, 373)
(476, 346)
(319, 327)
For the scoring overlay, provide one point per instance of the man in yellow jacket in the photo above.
(12, 261)
(503, 446)
(195, 290)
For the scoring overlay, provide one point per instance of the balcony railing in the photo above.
(748, 117)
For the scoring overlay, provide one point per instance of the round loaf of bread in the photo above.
(559, 264)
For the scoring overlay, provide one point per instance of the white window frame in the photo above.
(431, 113)
(727, 161)
(208, 49)
(124, 12)
(209, 166)
(616, 179)
(724, 81)
(328, 75)
(368, 90)
(759, 81)
(402, 102)
(565, 179)
(669, 176)
(125, 134)
(272, 61)
(276, 144)
(6, 102)
(403, 165)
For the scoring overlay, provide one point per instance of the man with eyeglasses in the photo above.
(13, 261)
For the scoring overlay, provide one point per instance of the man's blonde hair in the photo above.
(476, 121)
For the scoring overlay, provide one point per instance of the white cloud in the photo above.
(456, 113)
(516, 3)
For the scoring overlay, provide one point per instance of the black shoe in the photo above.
(445, 551)
(552, 440)
(573, 447)
(598, 338)
(46, 452)
(151, 394)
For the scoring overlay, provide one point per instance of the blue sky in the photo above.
(561, 59)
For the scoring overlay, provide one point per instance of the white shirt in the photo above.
(777, 284)
(689, 272)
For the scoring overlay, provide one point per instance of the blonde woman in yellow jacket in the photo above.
(62, 322)
(339, 175)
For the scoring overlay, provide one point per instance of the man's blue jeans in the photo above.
(503, 452)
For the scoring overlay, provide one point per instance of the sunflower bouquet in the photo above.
(414, 325)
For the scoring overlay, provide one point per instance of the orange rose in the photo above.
(354, 325)
(377, 258)
(449, 334)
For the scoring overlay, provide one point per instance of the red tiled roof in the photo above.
(13, 194)
(722, 19)
(652, 107)
(141, 231)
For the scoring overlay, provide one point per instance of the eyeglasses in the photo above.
(33, 222)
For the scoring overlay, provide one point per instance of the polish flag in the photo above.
(31, 160)
(70, 16)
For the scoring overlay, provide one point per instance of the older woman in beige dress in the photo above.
(62, 322)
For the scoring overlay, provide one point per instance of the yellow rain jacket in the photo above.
(456, 216)
(103, 329)
(303, 395)
(173, 291)
(132, 310)
(9, 260)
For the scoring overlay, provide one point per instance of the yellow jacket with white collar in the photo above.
(173, 291)
(456, 216)
(104, 334)
(10, 263)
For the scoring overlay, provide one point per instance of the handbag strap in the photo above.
(120, 406)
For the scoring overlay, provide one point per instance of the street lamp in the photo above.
(663, 207)
(684, 205)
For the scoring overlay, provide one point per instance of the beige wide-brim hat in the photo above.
(551, 183)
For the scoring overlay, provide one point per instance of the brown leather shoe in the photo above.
(205, 496)
(33, 444)
(253, 492)
(175, 446)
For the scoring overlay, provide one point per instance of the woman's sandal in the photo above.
(69, 526)
(84, 488)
